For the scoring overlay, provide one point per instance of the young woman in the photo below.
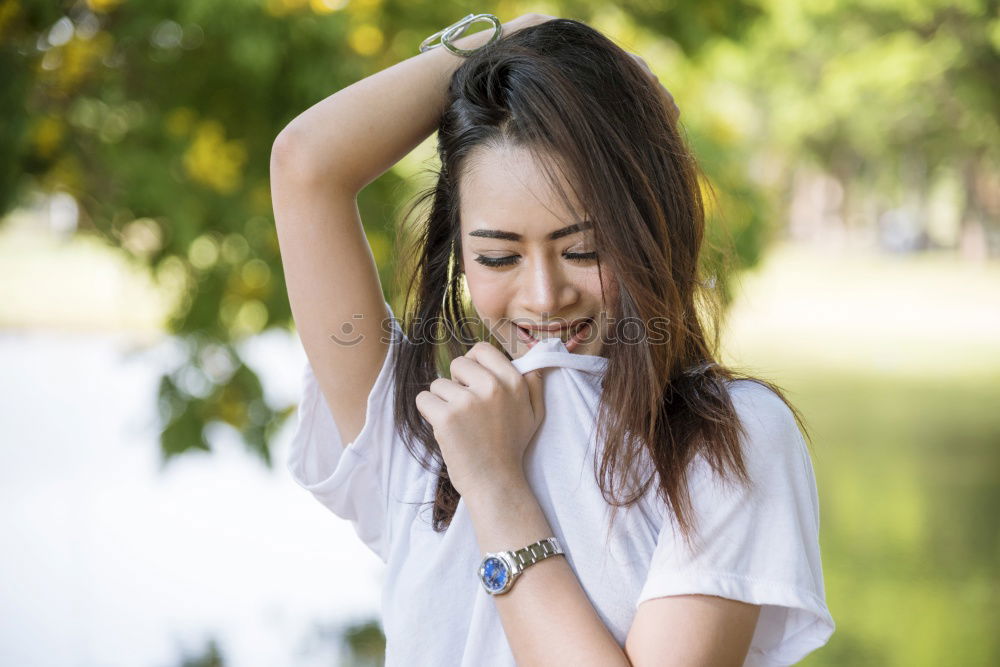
(562, 473)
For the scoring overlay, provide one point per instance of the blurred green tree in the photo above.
(159, 117)
(887, 96)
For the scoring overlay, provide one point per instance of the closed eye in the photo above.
(512, 259)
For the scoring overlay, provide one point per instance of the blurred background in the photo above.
(150, 366)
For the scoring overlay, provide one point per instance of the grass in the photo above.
(895, 364)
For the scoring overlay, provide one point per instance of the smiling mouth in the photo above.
(564, 333)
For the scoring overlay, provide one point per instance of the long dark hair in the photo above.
(581, 105)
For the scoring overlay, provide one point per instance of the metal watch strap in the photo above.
(536, 551)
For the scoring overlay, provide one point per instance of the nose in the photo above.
(547, 292)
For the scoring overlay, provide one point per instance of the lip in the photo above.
(556, 327)
(574, 341)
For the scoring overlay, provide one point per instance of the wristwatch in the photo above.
(498, 571)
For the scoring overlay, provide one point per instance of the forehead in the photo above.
(508, 188)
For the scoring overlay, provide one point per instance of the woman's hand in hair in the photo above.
(532, 18)
(483, 419)
(668, 100)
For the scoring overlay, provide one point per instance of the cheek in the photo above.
(610, 293)
(488, 291)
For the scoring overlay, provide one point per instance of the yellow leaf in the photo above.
(366, 39)
(103, 6)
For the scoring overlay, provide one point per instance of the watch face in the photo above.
(494, 573)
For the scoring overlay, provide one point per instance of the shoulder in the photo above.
(761, 411)
(748, 393)
(772, 445)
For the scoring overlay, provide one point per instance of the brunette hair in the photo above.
(583, 106)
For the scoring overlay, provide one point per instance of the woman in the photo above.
(568, 207)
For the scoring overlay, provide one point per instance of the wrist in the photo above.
(497, 491)
(506, 516)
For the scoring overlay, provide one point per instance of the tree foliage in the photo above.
(158, 117)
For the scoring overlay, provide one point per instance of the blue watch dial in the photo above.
(495, 573)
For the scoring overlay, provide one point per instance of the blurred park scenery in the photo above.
(151, 366)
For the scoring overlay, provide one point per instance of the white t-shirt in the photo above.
(760, 547)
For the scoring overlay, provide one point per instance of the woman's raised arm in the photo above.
(355, 135)
(319, 163)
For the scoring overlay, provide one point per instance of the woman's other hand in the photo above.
(668, 100)
(483, 418)
(673, 111)
(532, 18)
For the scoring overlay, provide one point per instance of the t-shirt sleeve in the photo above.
(357, 481)
(757, 545)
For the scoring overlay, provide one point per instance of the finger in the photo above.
(493, 361)
(469, 373)
(639, 60)
(448, 390)
(536, 392)
(672, 107)
(429, 406)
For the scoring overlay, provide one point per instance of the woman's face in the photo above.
(527, 262)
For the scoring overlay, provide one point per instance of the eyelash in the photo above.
(511, 259)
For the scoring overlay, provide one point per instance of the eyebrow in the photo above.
(512, 236)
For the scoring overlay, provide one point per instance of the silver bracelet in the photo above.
(457, 29)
